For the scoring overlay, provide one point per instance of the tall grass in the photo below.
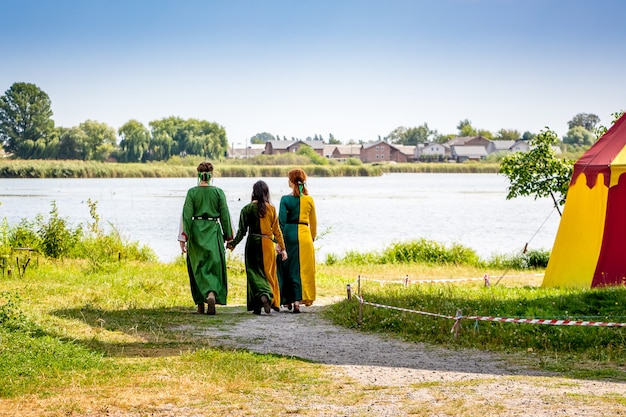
(55, 238)
(432, 252)
(443, 167)
(268, 166)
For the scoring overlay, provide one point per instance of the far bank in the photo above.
(180, 168)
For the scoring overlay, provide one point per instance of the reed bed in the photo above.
(185, 167)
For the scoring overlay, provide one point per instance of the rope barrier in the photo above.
(456, 327)
(407, 281)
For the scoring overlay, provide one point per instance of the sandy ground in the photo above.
(405, 379)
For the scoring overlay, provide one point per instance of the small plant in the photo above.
(11, 317)
(532, 259)
(57, 240)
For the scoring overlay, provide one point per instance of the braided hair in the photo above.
(205, 171)
(298, 177)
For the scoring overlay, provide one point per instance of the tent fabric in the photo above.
(589, 249)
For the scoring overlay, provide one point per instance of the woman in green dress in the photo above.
(259, 220)
(206, 226)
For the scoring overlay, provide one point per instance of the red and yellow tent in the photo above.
(590, 245)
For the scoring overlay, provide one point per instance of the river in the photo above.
(354, 213)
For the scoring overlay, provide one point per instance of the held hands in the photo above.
(183, 246)
(282, 252)
(230, 246)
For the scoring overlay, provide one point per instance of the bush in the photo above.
(417, 251)
(427, 251)
(55, 239)
(533, 259)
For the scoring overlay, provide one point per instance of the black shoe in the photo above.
(266, 304)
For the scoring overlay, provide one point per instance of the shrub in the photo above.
(417, 251)
(57, 239)
(428, 251)
(536, 258)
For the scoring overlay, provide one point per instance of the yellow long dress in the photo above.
(296, 275)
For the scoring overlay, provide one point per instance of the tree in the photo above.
(465, 128)
(580, 136)
(261, 138)
(26, 125)
(135, 141)
(485, 133)
(332, 140)
(505, 134)
(100, 140)
(411, 135)
(176, 136)
(168, 137)
(586, 120)
(538, 172)
(71, 143)
(601, 130)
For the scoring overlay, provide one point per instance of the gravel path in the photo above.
(417, 379)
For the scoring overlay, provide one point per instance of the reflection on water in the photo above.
(354, 213)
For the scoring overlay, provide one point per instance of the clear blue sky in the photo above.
(355, 68)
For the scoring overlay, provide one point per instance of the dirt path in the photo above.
(420, 380)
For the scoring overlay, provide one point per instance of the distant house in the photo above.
(503, 145)
(277, 147)
(472, 141)
(406, 153)
(246, 152)
(342, 151)
(376, 152)
(520, 146)
(431, 150)
(462, 153)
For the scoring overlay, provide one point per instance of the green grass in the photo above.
(128, 327)
(574, 346)
(72, 337)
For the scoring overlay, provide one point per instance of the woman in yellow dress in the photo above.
(298, 222)
(259, 220)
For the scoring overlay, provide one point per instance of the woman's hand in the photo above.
(183, 246)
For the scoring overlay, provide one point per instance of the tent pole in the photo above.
(556, 205)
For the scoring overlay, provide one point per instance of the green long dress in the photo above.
(260, 255)
(206, 224)
(296, 275)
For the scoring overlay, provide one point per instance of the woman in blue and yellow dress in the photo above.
(206, 226)
(259, 220)
(298, 222)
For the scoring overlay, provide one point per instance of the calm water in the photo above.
(362, 213)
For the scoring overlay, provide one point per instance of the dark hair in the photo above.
(205, 169)
(261, 193)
